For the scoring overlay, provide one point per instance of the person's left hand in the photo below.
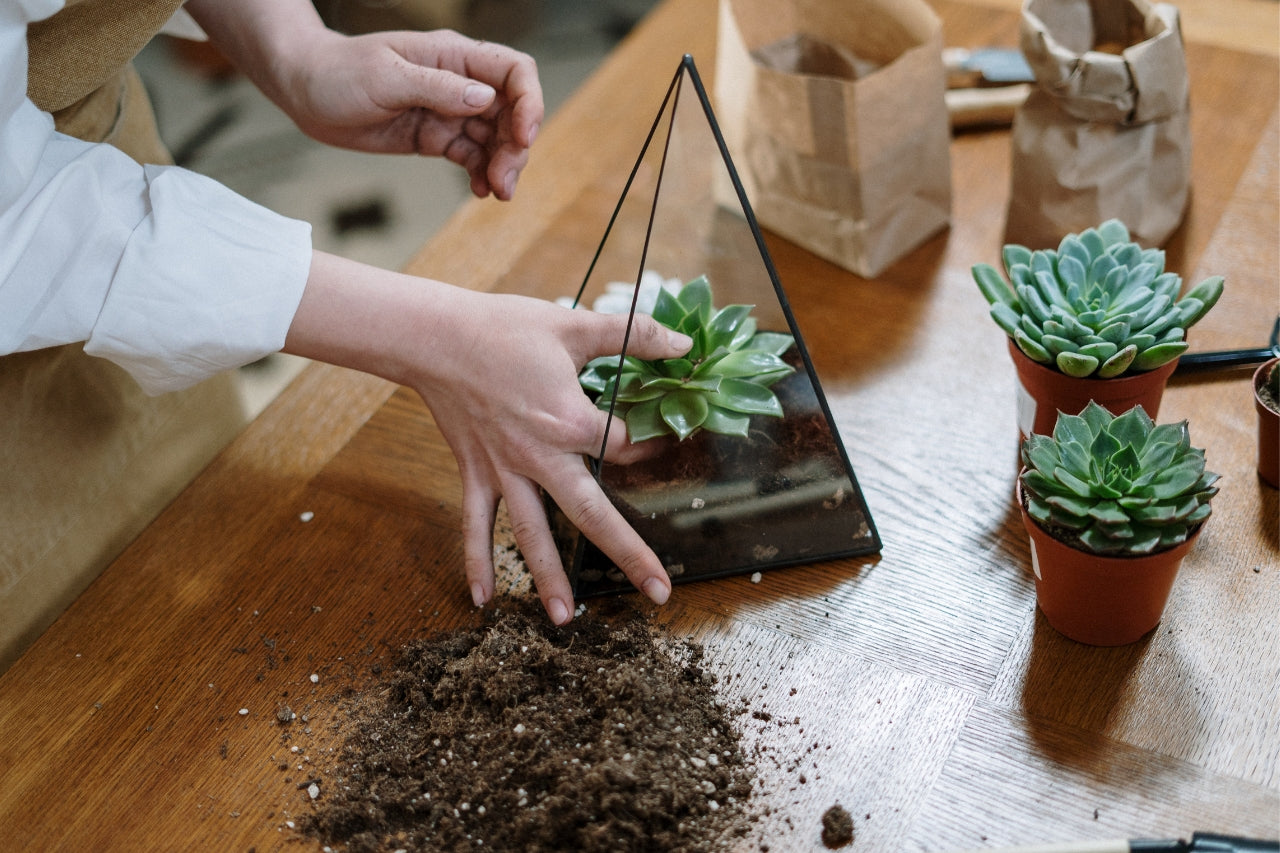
(437, 93)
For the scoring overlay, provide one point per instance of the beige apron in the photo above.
(87, 460)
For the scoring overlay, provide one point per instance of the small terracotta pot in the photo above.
(1100, 600)
(1268, 429)
(1043, 392)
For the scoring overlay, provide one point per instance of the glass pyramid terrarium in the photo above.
(744, 470)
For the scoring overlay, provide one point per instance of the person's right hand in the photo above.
(500, 375)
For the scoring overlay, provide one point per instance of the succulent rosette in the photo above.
(1099, 306)
(1117, 484)
(721, 383)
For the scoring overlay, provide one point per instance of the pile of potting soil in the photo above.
(605, 735)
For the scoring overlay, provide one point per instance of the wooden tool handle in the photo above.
(993, 106)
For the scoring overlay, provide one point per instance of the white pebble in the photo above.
(244, 712)
(756, 577)
(307, 516)
(315, 679)
(519, 729)
(313, 790)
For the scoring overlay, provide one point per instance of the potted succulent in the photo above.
(1112, 504)
(1266, 399)
(1097, 319)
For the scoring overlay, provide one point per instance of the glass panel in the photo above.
(752, 488)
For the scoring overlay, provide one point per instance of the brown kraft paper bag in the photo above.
(1105, 132)
(835, 115)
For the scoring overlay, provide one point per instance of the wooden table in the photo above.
(956, 717)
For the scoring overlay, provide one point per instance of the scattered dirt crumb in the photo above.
(837, 827)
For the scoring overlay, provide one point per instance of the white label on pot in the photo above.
(1035, 560)
(1026, 408)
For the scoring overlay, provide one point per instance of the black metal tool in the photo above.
(1206, 842)
(1201, 842)
(1198, 361)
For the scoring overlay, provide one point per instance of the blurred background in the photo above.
(374, 208)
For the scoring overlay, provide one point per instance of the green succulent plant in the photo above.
(1099, 306)
(718, 386)
(1121, 484)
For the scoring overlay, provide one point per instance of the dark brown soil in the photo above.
(606, 735)
(837, 827)
(1267, 390)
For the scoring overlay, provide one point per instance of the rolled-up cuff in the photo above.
(208, 281)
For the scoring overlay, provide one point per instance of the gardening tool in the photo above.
(1197, 361)
(990, 66)
(985, 86)
(1201, 842)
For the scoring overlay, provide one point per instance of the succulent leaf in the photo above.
(739, 395)
(725, 422)
(1056, 345)
(644, 421)
(773, 342)
(1160, 354)
(684, 411)
(1118, 363)
(1207, 293)
(1015, 255)
(1124, 485)
(993, 286)
(1077, 364)
(1033, 349)
(1101, 350)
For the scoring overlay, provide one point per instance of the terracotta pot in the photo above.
(1100, 600)
(1043, 392)
(1268, 429)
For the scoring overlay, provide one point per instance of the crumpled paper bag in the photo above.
(835, 115)
(1105, 132)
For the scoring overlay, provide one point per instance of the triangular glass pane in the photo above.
(763, 481)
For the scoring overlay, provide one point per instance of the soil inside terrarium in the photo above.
(604, 735)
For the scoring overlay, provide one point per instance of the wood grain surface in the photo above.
(919, 688)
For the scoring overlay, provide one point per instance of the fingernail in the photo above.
(477, 95)
(679, 341)
(657, 591)
(533, 132)
(509, 186)
(558, 611)
(477, 594)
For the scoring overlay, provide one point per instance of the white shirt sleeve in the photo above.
(164, 272)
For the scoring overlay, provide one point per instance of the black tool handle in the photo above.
(1191, 361)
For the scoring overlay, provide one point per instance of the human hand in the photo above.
(518, 422)
(500, 375)
(477, 104)
(438, 93)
